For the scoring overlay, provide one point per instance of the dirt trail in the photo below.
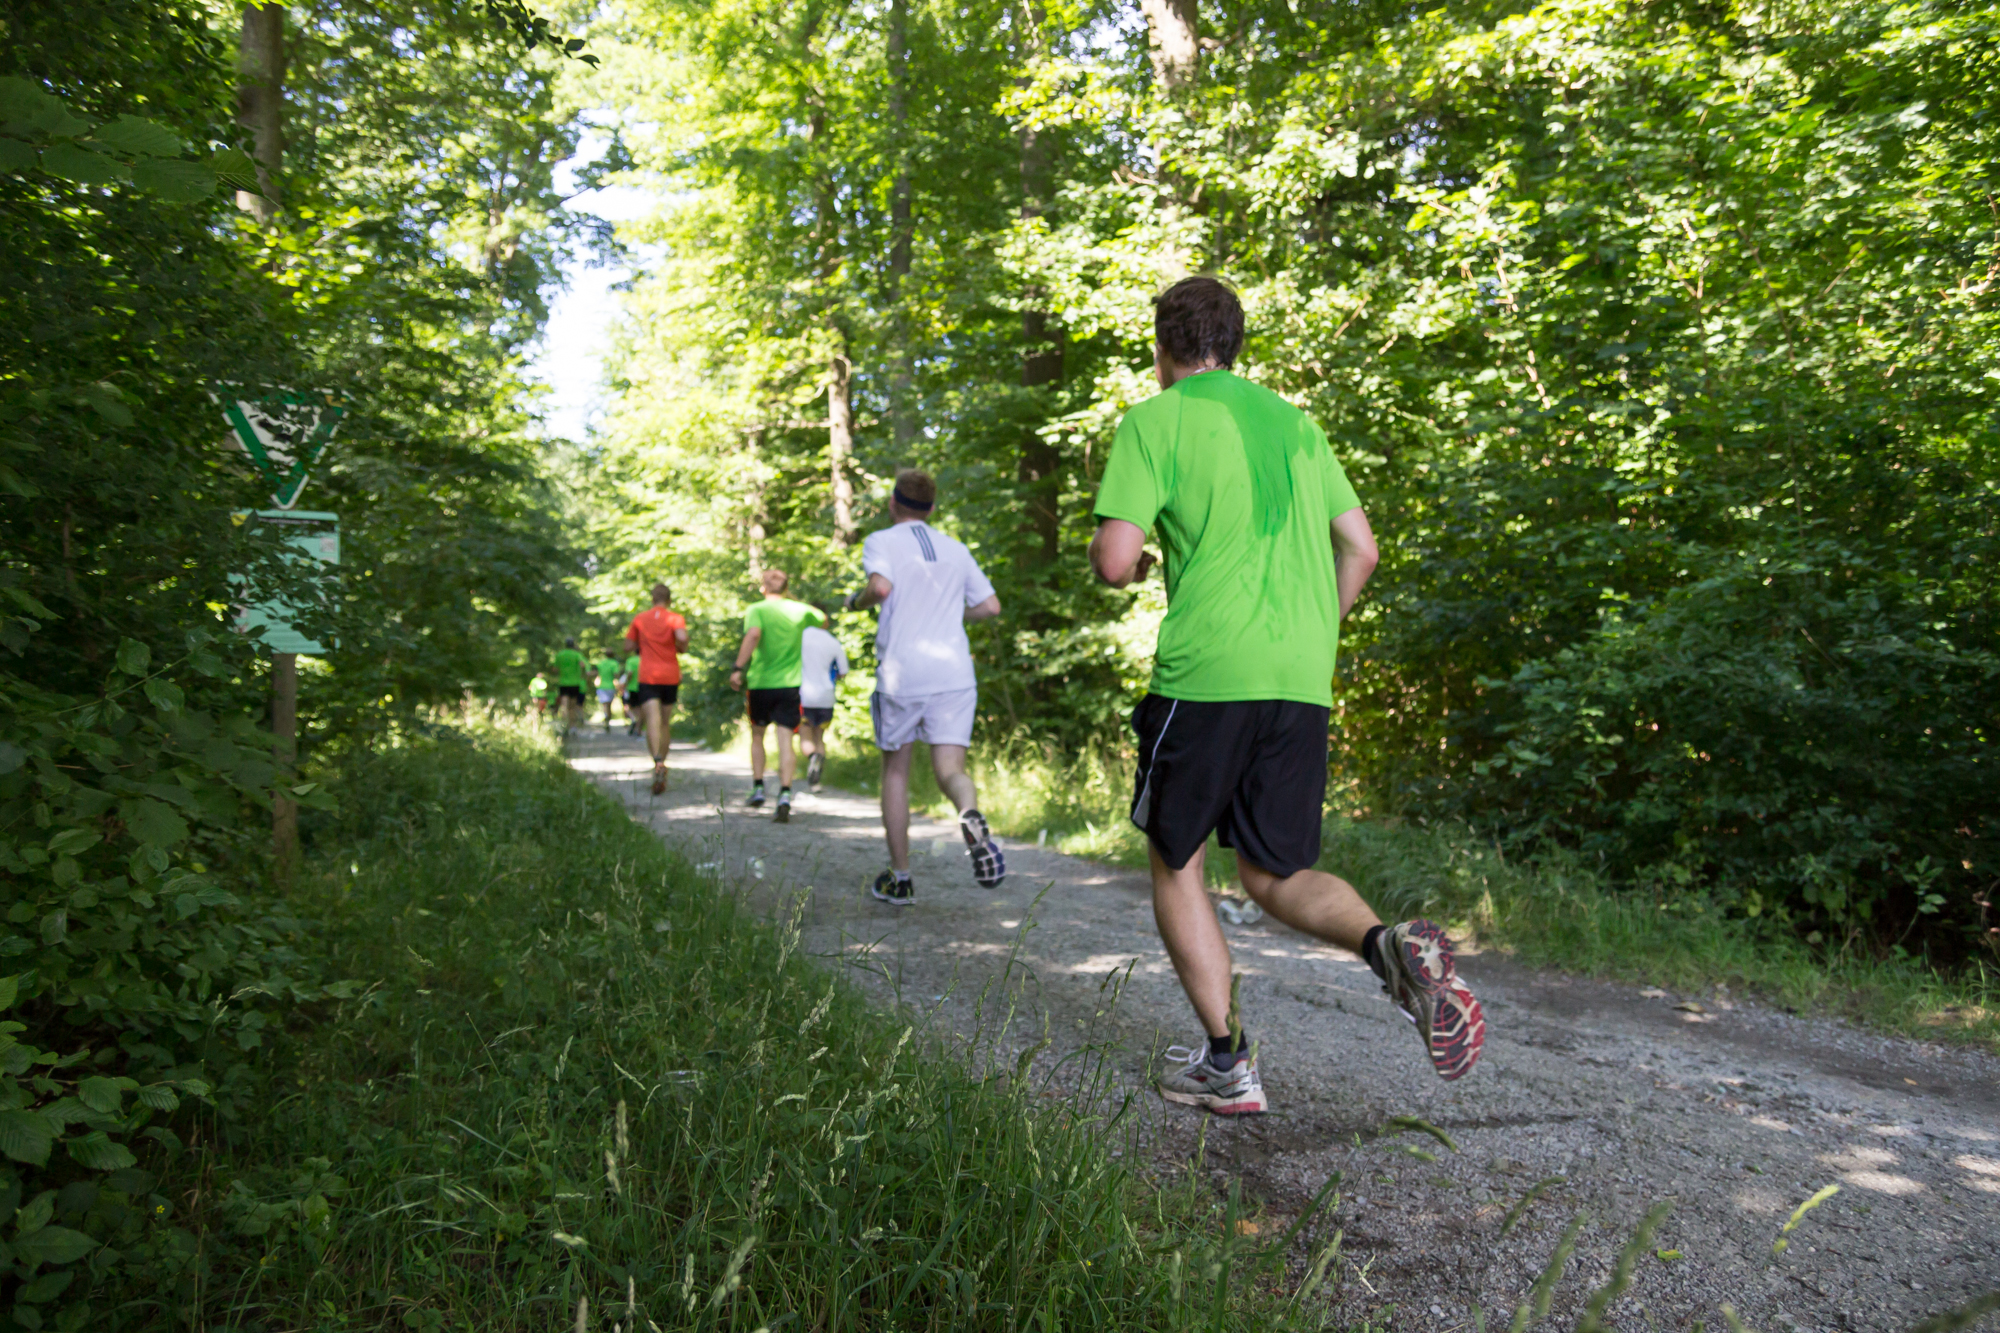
(1614, 1096)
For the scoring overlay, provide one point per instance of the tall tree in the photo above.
(260, 104)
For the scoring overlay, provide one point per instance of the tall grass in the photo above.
(1551, 911)
(585, 1089)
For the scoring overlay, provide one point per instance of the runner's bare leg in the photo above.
(757, 752)
(787, 759)
(948, 763)
(896, 804)
(1312, 901)
(1186, 919)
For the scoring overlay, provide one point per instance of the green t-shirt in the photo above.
(607, 673)
(1243, 488)
(776, 665)
(569, 668)
(538, 687)
(632, 673)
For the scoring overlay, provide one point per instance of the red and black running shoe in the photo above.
(1422, 980)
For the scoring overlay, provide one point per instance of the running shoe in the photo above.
(1237, 1090)
(814, 767)
(1422, 981)
(989, 863)
(659, 779)
(756, 800)
(783, 814)
(895, 892)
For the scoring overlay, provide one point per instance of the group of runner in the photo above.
(1266, 549)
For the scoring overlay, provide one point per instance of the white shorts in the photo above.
(934, 719)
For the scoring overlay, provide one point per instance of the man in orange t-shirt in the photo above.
(658, 634)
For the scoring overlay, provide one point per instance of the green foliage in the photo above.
(144, 965)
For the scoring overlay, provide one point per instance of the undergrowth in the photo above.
(584, 1088)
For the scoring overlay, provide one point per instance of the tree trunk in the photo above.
(754, 527)
(1176, 47)
(840, 439)
(902, 226)
(1040, 465)
(260, 104)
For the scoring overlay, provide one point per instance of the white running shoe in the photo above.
(1238, 1090)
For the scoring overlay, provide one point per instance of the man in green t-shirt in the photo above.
(608, 668)
(1266, 549)
(631, 689)
(772, 630)
(569, 684)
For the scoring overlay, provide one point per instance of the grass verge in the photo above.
(1551, 911)
(585, 1089)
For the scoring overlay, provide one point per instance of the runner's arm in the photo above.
(1118, 552)
(681, 637)
(985, 610)
(1354, 556)
(745, 650)
(876, 593)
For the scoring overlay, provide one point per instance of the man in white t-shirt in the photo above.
(822, 662)
(928, 587)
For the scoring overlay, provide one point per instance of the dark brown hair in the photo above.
(916, 486)
(1198, 319)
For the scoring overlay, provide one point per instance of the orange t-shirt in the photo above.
(659, 654)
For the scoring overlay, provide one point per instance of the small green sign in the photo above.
(308, 536)
(284, 433)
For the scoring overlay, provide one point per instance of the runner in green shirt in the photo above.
(608, 668)
(1266, 548)
(538, 693)
(772, 630)
(569, 684)
(631, 688)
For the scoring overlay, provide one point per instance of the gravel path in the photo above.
(1603, 1098)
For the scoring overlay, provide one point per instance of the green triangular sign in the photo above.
(284, 433)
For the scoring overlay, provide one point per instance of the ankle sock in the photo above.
(1225, 1051)
(1371, 950)
(902, 876)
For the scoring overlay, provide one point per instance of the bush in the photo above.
(146, 960)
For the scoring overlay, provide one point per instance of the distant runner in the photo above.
(569, 684)
(822, 663)
(658, 633)
(770, 648)
(1266, 549)
(629, 679)
(928, 586)
(538, 693)
(608, 668)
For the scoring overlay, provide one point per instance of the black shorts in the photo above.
(569, 692)
(1252, 773)
(779, 706)
(666, 694)
(819, 717)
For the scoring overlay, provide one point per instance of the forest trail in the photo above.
(1617, 1097)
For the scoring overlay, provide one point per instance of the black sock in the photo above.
(757, 783)
(784, 794)
(1371, 950)
(1225, 1051)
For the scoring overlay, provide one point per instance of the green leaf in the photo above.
(17, 157)
(175, 180)
(47, 1287)
(26, 106)
(134, 134)
(26, 1136)
(54, 1245)
(166, 695)
(10, 990)
(235, 166)
(73, 840)
(37, 1213)
(133, 657)
(159, 1097)
(104, 1095)
(12, 757)
(130, 1181)
(81, 165)
(96, 1151)
(153, 822)
(107, 402)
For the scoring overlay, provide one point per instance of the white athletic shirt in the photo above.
(920, 644)
(820, 656)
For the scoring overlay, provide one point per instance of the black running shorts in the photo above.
(666, 694)
(779, 706)
(569, 692)
(819, 717)
(1252, 773)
